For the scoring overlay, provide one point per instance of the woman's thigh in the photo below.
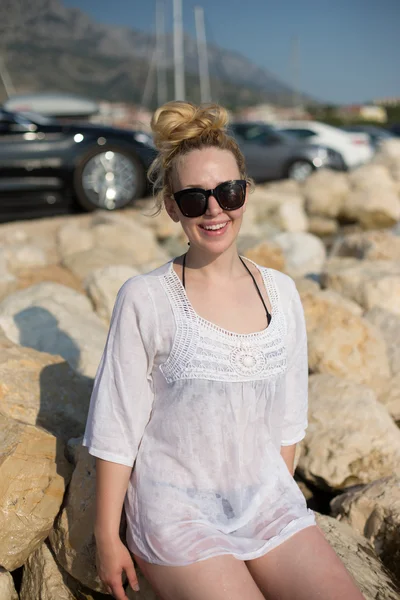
(304, 567)
(218, 578)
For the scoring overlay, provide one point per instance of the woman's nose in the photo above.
(213, 208)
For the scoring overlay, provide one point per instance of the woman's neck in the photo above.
(222, 266)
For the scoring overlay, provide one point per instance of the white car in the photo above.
(355, 148)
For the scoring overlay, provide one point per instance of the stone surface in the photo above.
(33, 476)
(372, 207)
(341, 342)
(41, 389)
(267, 254)
(389, 395)
(325, 192)
(389, 326)
(73, 238)
(374, 511)
(7, 588)
(351, 438)
(370, 245)
(56, 319)
(42, 578)
(102, 286)
(322, 226)
(304, 253)
(291, 216)
(25, 256)
(72, 538)
(369, 282)
(360, 560)
(54, 273)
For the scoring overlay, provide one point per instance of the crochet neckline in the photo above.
(269, 286)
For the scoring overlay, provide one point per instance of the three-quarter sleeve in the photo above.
(122, 397)
(296, 385)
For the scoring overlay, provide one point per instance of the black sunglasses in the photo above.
(193, 202)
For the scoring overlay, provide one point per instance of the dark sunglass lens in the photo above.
(231, 196)
(193, 204)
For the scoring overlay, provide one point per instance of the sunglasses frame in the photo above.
(207, 193)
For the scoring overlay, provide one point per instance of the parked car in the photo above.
(52, 167)
(395, 129)
(272, 154)
(354, 148)
(376, 134)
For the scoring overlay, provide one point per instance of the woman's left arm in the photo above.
(288, 454)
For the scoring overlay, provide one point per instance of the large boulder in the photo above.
(73, 237)
(42, 389)
(369, 282)
(42, 578)
(7, 587)
(373, 208)
(341, 342)
(351, 438)
(360, 560)
(374, 511)
(25, 256)
(388, 324)
(7, 278)
(33, 476)
(389, 395)
(267, 254)
(56, 319)
(325, 192)
(304, 253)
(102, 286)
(370, 245)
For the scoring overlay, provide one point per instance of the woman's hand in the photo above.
(112, 559)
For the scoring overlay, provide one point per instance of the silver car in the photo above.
(272, 154)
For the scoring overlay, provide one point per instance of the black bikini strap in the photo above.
(251, 275)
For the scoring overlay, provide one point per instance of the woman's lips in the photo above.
(214, 232)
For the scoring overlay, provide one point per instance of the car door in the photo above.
(263, 150)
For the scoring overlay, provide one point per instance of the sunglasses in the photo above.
(193, 202)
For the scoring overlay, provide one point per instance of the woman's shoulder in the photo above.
(141, 286)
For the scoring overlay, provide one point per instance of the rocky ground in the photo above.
(337, 235)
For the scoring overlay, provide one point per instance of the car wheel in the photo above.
(300, 169)
(108, 178)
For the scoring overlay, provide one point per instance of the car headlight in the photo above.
(144, 138)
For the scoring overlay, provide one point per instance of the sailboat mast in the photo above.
(179, 65)
(205, 90)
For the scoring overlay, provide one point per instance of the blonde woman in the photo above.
(200, 399)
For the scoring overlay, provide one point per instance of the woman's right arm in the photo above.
(113, 557)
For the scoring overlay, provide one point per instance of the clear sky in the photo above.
(348, 49)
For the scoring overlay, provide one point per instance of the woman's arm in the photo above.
(288, 454)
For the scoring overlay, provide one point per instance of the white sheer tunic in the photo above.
(201, 413)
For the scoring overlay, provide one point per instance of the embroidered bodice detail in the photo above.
(203, 350)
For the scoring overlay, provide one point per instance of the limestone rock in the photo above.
(325, 192)
(102, 286)
(322, 226)
(371, 176)
(290, 216)
(33, 475)
(56, 319)
(373, 208)
(42, 578)
(54, 273)
(369, 282)
(374, 511)
(304, 253)
(25, 256)
(341, 342)
(351, 438)
(389, 326)
(72, 538)
(370, 245)
(7, 279)
(389, 395)
(267, 254)
(73, 238)
(360, 560)
(42, 389)
(7, 588)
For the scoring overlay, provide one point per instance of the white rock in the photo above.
(74, 238)
(25, 256)
(102, 286)
(389, 325)
(304, 253)
(56, 319)
(351, 438)
(373, 207)
(7, 588)
(325, 192)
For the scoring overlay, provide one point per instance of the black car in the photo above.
(51, 167)
(273, 154)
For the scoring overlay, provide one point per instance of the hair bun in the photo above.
(175, 122)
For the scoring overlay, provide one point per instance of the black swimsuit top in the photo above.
(269, 317)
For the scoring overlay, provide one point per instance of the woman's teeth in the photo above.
(213, 227)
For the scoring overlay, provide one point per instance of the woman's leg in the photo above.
(219, 578)
(304, 567)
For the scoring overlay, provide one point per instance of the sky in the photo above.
(348, 50)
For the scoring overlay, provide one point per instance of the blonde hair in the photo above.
(180, 127)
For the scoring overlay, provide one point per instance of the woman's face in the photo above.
(207, 168)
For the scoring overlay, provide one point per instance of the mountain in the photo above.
(48, 47)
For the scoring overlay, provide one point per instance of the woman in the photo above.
(203, 387)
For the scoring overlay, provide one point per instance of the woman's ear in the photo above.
(171, 208)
